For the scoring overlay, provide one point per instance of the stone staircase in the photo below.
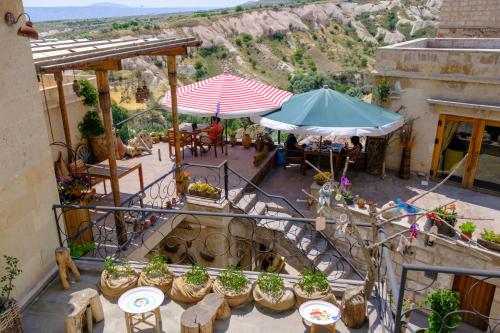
(313, 245)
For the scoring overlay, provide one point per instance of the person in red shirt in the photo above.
(212, 131)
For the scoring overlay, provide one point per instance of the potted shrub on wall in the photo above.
(92, 129)
(313, 286)
(234, 285)
(117, 278)
(205, 190)
(490, 240)
(467, 228)
(270, 292)
(10, 317)
(444, 218)
(192, 286)
(156, 274)
(444, 304)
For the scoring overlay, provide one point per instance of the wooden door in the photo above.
(479, 298)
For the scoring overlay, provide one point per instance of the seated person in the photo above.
(213, 131)
(356, 148)
(293, 149)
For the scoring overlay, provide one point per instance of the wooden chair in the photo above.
(186, 141)
(219, 141)
(292, 157)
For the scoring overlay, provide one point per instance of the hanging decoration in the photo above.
(325, 194)
(341, 224)
(142, 94)
(76, 84)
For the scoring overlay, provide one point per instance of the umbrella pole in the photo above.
(279, 137)
(225, 141)
(319, 151)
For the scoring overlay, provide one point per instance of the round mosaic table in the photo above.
(320, 313)
(140, 304)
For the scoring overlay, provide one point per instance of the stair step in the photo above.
(316, 248)
(246, 202)
(280, 225)
(259, 208)
(294, 232)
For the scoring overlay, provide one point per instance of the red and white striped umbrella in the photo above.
(237, 97)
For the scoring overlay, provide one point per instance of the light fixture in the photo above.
(26, 30)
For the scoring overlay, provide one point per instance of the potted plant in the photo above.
(490, 240)
(87, 91)
(348, 197)
(270, 292)
(445, 219)
(232, 139)
(192, 286)
(156, 274)
(71, 189)
(246, 140)
(444, 304)
(233, 284)
(372, 206)
(322, 177)
(117, 278)
(361, 203)
(183, 183)
(204, 190)
(467, 228)
(259, 142)
(313, 286)
(10, 316)
(92, 129)
(79, 250)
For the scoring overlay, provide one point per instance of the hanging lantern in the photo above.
(76, 86)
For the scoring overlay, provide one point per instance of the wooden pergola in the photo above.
(56, 56)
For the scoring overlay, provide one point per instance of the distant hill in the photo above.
(100, 10)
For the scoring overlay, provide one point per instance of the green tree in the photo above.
(304, 82)
(200, 69)
(391, 20)
(238, 9)
(120, 114)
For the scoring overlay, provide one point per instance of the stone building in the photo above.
(470, 18)
(450, 87)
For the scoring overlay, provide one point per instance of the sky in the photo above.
(136, 3)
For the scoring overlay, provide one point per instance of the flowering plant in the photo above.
(322, 177)
(184, 175)
(446, 213)
(71, 189)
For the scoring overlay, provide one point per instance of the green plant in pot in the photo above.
(117, 278)
(156, 274)
(467, 228)
(192, 286)
(233, 284)
(11, 272)
(444, 304)
(313, 285)
(490, 240)
(270, 292)
(92, 129)
(348, 197)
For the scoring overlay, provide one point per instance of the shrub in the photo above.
(270, 283)
(88, 92)
(91, 125)
(11, 272)
(197, 275)
(233, 279)
(390, 20)
(238, 9)
(468, 227)
(383, 90)
(311, 282)
(491, 236)
(443, 302)
(156, 266)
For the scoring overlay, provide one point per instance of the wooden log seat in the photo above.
(65, 263)
(83, 306)
(200, 317)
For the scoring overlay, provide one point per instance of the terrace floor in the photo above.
(45, 314)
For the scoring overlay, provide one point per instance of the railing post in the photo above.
(399, 300)
(226, 180)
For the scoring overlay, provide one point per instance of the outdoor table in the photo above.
(101, 171)
(336, 150)
(140, 304)
(320, 313)
(186, 129)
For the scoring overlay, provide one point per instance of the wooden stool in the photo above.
(82, 304)
(331, 327)
(65, 263)
(132, 320)
(200, 318)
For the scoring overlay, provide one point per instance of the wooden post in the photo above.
(58, 76)
(105, 105)
(172, 80)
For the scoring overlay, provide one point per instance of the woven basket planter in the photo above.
(10, 320)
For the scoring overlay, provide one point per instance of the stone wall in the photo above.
(27, 184)
(75, 108)
(429, 70)
(469, 18)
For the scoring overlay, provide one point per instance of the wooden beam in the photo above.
(172, 80)
(112, 65)
(105, 105)
(58, 76)
(80, 60)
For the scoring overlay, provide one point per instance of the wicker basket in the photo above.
(10, 320)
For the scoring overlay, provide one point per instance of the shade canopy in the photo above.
(327, 112)
(236, 97)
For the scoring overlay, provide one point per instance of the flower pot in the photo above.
(99, 148)
(466, 236)
(446, 230)
(489, 245)
(10, 320)
(361, 205)
(349, 201)
(246, 141)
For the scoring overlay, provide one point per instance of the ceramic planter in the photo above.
(246, 141)
(489, 245)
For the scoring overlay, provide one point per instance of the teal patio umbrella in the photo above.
(326, 112)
